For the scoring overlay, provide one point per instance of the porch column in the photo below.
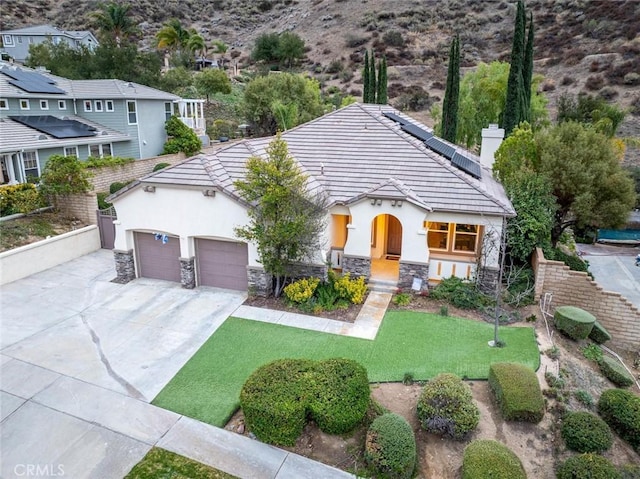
(10, 170)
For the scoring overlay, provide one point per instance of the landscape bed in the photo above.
(207, 388)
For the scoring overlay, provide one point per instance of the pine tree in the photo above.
(381, 97)
(527, 73)
(372, 78)
(450, 105)
(513, 104)
(365, 78)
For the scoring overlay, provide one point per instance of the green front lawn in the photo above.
(160, 463)
(208, 386)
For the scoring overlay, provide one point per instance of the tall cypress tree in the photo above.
(381, 96)
(513, 104)
(372, 78)
(527, 73)
(365, 78)
(451, 94)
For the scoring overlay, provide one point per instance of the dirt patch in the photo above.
(348, 315)
(539, 446)
(35, 227)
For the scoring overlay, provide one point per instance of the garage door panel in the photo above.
(156, 259)
(222, 264)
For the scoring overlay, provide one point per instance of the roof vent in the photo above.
(104, 133)
(42, 137)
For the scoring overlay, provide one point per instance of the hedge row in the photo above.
(390, 447)
(487, 459)
(517, 392)
(446, 407)
(278, 398)
(615, 372)
(621, 410)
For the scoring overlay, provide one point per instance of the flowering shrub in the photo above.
(353, 290)
(302, 290)
(21, 198)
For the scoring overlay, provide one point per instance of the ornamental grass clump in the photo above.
(446, 407)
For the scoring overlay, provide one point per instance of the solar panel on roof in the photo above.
(55, 126)
(439, 146)
(466, 164)
(419, 133)
(394, 117)
(31, 82)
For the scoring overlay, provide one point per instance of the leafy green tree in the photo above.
(287, 88)
(176, 79)
(62, 59)
(286, 115)
(381, 95)
(482, 97)
(290, 48)
(265, 48)
(181, 138)
(592, 110)
(527, 73)
(285, 221)
(452, 93)
(590, 186)
(366, 93)
(64, 175)
(115, 23)
(513, 104)
(212, 81)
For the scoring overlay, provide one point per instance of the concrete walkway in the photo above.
(81, 357)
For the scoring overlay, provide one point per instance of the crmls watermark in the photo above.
(39, 470)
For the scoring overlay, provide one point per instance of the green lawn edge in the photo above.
(160, 463)
(208, 386)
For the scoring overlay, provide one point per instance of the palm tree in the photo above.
(221, 49)
(173, 36)
(196, 44)
(114, 22)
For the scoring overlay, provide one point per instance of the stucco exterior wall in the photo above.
(186, 213)
(33, 258)
(574, 288)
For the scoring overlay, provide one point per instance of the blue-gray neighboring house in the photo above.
(43, 115)
(16, 43)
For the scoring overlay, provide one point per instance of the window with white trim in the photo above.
(4, 104)
(62, 104)
(98, 105)
(44, 104)
(132, 112)
(20, 40)
(109, 105)
(168, 110)
(7, 40)
(100, 150)
(30, 165)
(71, 151)
(88, 105)
(24, 104)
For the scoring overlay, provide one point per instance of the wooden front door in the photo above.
(394, 235)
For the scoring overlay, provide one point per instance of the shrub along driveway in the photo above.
(208, 386)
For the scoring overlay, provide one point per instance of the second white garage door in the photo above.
(222, 264)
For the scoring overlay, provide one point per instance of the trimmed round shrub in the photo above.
(390, 447)
(621, 411)
(587, 466)
(615, 372)
(574, 322)
(517, 392)
(599, 334)
(446, 407)
(271, 401)
(339, 395)
(487, 459)
(278, 398)
(586, 432)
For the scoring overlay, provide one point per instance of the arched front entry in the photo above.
(386, 247)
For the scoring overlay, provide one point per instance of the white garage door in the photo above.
(157, 258)
(222, 264)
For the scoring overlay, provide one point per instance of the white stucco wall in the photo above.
(186, 213)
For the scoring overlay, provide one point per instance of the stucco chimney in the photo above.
(491, 139)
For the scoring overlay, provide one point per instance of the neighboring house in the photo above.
(43, 115)
(16, 43)
(394, 203)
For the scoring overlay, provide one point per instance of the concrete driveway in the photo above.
(613, 268)
(80, 359)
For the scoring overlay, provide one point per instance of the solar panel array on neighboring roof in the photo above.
(394, 117)
(466, 164)
(439, 146)
(56, 127)
(32, 82)
(419, 133)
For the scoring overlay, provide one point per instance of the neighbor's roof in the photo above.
(353, 153)
(15, 136)
(47, 30)
(81, 89)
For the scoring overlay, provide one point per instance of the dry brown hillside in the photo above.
(588, 46)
